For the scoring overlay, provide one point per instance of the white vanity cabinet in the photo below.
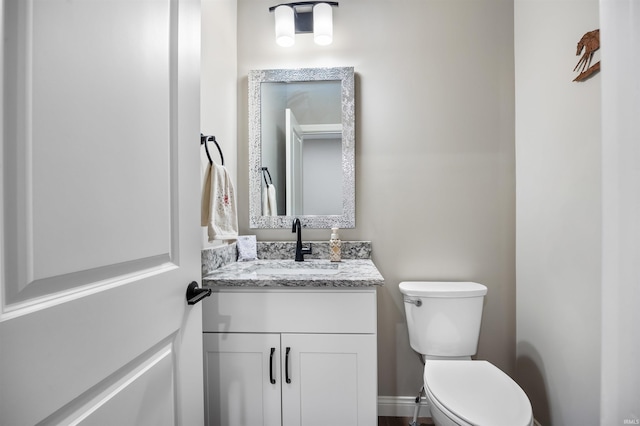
(291, 357)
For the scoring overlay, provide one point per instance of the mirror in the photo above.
(302, 147)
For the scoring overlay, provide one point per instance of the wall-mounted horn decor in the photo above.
(590, 42)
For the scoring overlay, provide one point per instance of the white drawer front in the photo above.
(290, 311)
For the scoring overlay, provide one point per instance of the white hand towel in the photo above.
(269, 203)
(265, 202)
(271, 195)
(219, 213)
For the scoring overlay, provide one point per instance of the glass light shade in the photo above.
(322, 24)
(285, 26)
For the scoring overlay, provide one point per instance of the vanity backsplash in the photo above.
(217, 257)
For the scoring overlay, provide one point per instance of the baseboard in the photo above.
(401, 406)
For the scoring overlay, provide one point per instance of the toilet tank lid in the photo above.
(442, 289)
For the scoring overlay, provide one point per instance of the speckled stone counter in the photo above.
(217, 257)
(288, 273)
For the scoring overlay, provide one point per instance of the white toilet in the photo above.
(443, 319)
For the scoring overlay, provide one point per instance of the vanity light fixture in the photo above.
(302, 18)
(285, 26)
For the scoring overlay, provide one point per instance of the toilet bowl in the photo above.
(443, 320)
(474, 393)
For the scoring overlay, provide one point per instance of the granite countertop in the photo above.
(288, 273)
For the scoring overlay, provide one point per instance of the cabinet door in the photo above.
(242, 379)
(333, 380)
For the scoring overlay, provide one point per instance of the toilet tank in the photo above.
(443, 318)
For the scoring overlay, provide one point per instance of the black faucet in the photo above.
(300, 252)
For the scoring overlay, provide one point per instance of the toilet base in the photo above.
(416, 409)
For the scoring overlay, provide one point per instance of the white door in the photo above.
(99, 222)
(294, 167)
(242, 379)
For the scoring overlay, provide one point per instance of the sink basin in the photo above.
(298, 269)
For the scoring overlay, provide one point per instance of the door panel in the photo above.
(79, 101)
(128, 399)
(100, 235)
(239, 368)
(333, 380)
(322, 372)
(294, 141)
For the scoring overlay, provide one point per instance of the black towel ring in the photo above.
(203, 141)
(266, 169)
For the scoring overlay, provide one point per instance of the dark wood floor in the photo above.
(403, 421)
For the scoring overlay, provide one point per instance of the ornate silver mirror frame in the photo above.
(346, 76)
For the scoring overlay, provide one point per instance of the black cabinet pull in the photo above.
(286, 366)
(196, 294)
(271, 379)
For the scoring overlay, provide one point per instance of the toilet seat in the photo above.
(476, 393)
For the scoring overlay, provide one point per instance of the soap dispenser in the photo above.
(335, 246)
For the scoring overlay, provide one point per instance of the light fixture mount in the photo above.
(303, 12)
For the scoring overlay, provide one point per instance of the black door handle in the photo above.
(271, 379)
(286, 366)
(196, 294)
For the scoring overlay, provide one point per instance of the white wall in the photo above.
(218, 102)
(558, 219)
(620, 393)
(434, 153)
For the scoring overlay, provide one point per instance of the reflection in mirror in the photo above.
(302, 147)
